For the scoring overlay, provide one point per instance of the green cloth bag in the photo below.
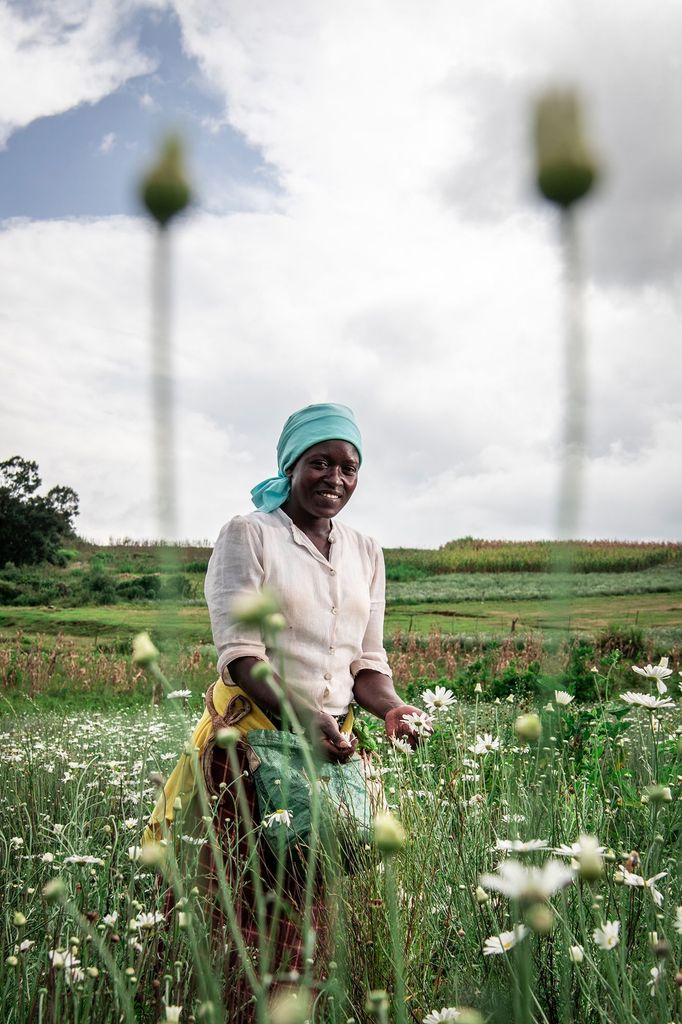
(278, 767)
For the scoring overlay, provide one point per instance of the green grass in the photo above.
(514, 586)
(471, 614)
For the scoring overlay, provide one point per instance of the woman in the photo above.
(329, 580)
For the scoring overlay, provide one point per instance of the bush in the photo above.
(200, 566)
(140, 588)
(629, 640)
(97, 588)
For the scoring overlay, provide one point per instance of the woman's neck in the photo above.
(316, 529)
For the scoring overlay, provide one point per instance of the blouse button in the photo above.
(333, 610)
(332, 572)
(332, 649)
(327, 675)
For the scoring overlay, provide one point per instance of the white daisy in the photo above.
(606, 937)
(280, 816)
(646, 700)
(530, 885)
(420, 722)
(400, 743)
(563, 698)
(447, 1013)
(179, 694)
(637, 882)
(518, 846)
(656, 672)
(485, 744)
(438, 699)
(505, 941)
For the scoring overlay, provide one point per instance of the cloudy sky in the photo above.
(365, 231)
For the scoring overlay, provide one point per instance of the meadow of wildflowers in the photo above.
(528, 869)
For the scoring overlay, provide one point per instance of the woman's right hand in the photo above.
(335, 746)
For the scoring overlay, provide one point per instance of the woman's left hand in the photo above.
(398, 728)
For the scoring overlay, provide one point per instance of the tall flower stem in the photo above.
(575, 392)
(397, 951)
(162, 385)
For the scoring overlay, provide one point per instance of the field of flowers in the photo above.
(536, 876)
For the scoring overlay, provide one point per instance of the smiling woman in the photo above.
(329, 583)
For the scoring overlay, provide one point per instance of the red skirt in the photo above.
(284, 938)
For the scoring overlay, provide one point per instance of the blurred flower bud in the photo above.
(377, 1003)
(576, 954)
(19, 919)
(252, 609)
(275, 623)
(227, 737)
(144, 651)
(466, 1015)
(262, 672)
(290, 1007)
(678, 978)
(590, 862)
(661, 948)
(618, 877)
(165, 190)
(481, 895)
(93, 972)
(54, 889)
(566, 167)
(177, 804)
(389, 834)
(528, 727)
(540, 918)
(659, 794)
(12, 961)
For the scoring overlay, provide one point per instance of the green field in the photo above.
(495, 615)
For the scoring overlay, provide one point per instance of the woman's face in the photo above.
(324, 478)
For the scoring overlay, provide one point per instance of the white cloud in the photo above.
(62, 54)
(397, 266)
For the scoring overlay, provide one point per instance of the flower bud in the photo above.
(54, 889)
(528, 727)
(389, 834)
(93, 972)
(253, 608)
(12, 961)
(467, 1015)
(227, 737)
(576, 954)
(659, 794)
(19, 919)
(565, 164)
(290, 1008)
(540, 918)
(144, 651)
(377, 1002)
(482, 896)
(165, 190)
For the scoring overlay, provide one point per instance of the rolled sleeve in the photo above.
(373, 655)
(235, 568)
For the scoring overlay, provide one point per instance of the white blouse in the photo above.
(334, 608)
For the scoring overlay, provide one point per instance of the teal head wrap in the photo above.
(303, 429)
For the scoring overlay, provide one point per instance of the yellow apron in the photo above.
(181, 783)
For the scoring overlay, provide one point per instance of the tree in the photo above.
(32, 526)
